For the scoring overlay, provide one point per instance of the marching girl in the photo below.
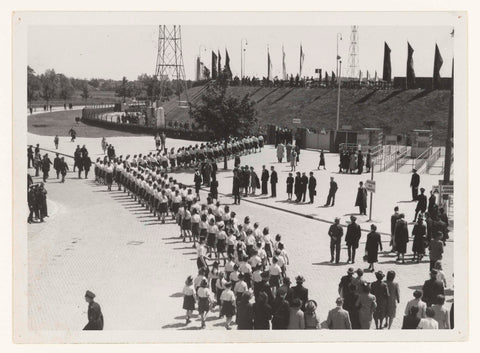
(176, 200)
(187, 224)
(220, 287)
(97, 170)
(204, 301)
(245, 268)
(203, 227)
(162, 205)
(231, 242)
(275, 275)
(202, 258)
(212, 231)
(109, 175)
(213, 277)
(179, 218)
(188, 298)
(172, 156)
(221, 242)
(234, 275)
(267, 244)
(229, 267)
(227, 299)
(195, 225)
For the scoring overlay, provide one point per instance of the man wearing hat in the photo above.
(431, 288)
(95, 316)
(336, 233)
(352, 238)
(414, 183)
(299, 291)
(421, 204)
(338, 318)
(281, 310)
(345, 282)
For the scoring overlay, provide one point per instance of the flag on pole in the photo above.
(219, 64)
(368, 76)
(360, 75)
(270, 67)
(228, 72)
(326, 78)
(284, 66)
(376, 77)
(410, 71)
(302, 58)
(333, 76)
(387, 65)
(214, 66)
(437, 64)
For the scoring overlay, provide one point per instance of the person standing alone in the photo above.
(331, 192)
(265, 176)
(335, 232)
(312, 185)
(95, 316)
(273, 181)
(414, 183)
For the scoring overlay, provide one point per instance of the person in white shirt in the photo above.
(275, 273)
(421, 305)
(205, 298)
(188, 298)
(428, 323)
(227, 299)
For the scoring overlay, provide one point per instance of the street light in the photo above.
(242, 54)
(339, 37)
(339, 77)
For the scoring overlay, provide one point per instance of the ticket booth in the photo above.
(421, 141)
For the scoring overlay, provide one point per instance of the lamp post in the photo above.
(339, 37)
(339, 78)
(242, 54)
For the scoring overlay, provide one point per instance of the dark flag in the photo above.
(219, 63)
(333, 77)
(326, 78)
(214, 66)
(270, 67)
(387, 64)
(437, 64)
(228, 72)
(410, 70)
(199, 72)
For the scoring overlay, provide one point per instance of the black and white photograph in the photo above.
(233, 172)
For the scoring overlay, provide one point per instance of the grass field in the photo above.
(97, 97)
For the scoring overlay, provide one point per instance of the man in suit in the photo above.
(303, 187)
(197, 179)
(345, 282)
(393, 222)
(338, 318)
(312, 185)
(336, 233)
(431, 288)
(30, 156)
(331, 192)
(352, 238)
(273, 181)
(300, 292)
(46, 167)
(95, 316)
(265, 176)
(56, 165)
(421, 204)
(414, 183)
(432, 203)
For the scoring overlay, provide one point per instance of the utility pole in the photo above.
(371, 193)
(339, 78)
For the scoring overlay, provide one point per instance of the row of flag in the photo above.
(387, 67)
(410, 81)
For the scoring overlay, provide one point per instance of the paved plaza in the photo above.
(105, 242)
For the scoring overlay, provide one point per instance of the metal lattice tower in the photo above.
(353, 54)
(169, 68)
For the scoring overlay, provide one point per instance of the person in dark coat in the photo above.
(419, 233)
(300, 292)
(31, 203)
(411, 321)
(368, 163)
(432, 203)
(303, 186)
(312, 185)
(360, 162)
(273, 181)
(331, 192)
(361, 200)
(374, 242)
(236, 187)
(349, 304)
(63, 168)
(431, 288)
(56, 165)
(87, 163)
(414, 183)
(401, 237)
(237, 161)
(46, 162)
(352, 238)
(281, 311)
(345, 282)
(30, 156)
(290, 182)
(214, 187)
(262, 313)
(95, 316)
(421, 204)
(336, 233)
(321, 163)
(245, 312)
(264, 177)
(77, 157)
(380, 290)
(393, 222)
(297, 187)
(197, 179)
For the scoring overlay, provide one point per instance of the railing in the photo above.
(433, 158)
(348, 146)
(401, 157)
(422, 158)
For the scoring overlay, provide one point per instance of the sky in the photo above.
(112, 52)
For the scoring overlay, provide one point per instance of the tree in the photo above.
(125, 89)
(49, 83)
(33, 85)
(224, 115)
(85, 92)
(65, 87)
(206, 73)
